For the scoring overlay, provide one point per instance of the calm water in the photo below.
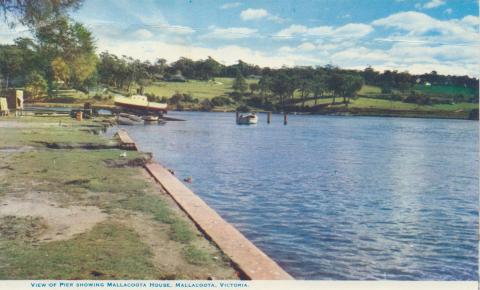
(337, 197)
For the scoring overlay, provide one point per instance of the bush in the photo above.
(386, 90)
(243, 109)
(221, 101)
(395, 97)
(66, 100)
(176, 98)
(418, 99)
(188, 98)
(98, 97)
(236, 96)
(206, 105)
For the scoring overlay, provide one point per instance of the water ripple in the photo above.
(337, 197)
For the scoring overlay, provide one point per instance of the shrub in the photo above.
(221, 101)
(414, 98)
(176, 98)
(243, 109)
(36, 86)
(206, 105)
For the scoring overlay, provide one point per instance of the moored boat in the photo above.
(247, 119)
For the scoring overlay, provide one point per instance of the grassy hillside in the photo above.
(364, 103)
(198, 89)
(370, 90)
(444, 90)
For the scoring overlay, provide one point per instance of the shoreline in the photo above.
(360, 112)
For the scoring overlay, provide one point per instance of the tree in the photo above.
(253, 87)
(335, 84)
(282, 86)
(33, 13)
(207, 69)
(318, 85)
(10, 62)
(240, 84)
(61, 71)
(36, 85)
(351, 86)
(82, 68)
(370, 76)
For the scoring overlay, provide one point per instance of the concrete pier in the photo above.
(248, 259)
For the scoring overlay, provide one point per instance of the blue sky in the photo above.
(413, 35)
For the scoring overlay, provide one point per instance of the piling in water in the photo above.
(269, 117)
(285, 119)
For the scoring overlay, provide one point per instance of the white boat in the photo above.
(247, 119)
(150, 118)
(127, 119)
(139, 103)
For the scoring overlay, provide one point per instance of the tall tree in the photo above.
(34, 13)
(318, 84)
(11, 62)
(240, 84)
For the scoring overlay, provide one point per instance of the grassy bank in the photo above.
(88, 213)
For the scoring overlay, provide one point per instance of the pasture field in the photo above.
(445, 90)
(198, 89)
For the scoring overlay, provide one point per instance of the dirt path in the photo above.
(62, 223)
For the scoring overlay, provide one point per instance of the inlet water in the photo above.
(354, 198)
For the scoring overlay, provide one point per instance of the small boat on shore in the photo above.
(150, 119)
(139, 103)
(128, 119)
(247, 119)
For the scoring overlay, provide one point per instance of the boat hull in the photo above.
(136, 107)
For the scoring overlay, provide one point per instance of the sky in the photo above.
(405, 35)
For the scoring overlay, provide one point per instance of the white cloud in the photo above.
(449, 11)
(433, 4)
(253, 14)
(256, 14)
(230, 5)
(421, 26)
(172, 29)
(152, 49)
(230, 33)
(351, 30)
(304, 47)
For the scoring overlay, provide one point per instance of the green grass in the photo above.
(198, 89)
(32, 131)
(395, 105)
(370, 90)
(78, 177)
(179, 229)
(108, 251)
(445, 90)
(66, 171)
(196, 256)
